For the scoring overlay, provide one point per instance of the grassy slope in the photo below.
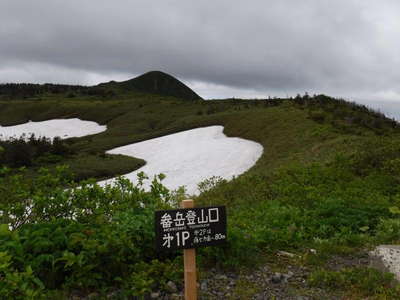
(285, 131)
(289, 136)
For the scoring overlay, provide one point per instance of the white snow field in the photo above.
(63, 128)
(189, 157)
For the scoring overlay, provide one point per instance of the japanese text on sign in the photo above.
(190, 228)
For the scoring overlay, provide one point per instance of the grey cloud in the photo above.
(347, 47)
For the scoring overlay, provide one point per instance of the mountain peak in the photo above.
(158, 82)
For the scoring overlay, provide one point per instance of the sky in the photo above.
(220, 48)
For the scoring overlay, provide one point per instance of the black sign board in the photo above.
(190, 228)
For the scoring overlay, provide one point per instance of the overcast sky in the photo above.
(221, 48)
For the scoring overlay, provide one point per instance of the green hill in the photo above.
(328, 180)
(160, 83)
(154, 82)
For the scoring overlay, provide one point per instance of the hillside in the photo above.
(160, 83)
(328, 181)
(154, 82)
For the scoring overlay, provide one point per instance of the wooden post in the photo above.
(189, 257)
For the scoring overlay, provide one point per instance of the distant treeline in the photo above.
(26, 152)
(10, 91)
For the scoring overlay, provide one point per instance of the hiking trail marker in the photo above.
(189, 228)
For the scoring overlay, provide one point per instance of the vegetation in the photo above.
(26, 152)
(365, 282)
(160, 83)
(86, 238)
(328, 180)
(35, 153)
(154, 82)
(95, 239)
(18, 91)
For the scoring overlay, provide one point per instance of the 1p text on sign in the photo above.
(190, 228)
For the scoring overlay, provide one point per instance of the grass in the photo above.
(365, 282)
(285, 131)
(328, 178)
(99, 166)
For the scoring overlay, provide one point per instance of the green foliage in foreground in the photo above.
(95, 238)
(88, 238)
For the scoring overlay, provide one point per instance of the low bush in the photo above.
(84, 238)
(16, 284)
(27, 151)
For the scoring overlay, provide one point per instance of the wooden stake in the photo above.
(189, 257)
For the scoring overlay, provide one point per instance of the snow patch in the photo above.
(189, 157)
(63, 128)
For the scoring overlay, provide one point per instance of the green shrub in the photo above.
(388, 231)
(28, 151)
(152, 276)
(18, 284)
(83, 238)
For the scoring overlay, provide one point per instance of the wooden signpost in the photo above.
(189, 228)
(189, 262)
